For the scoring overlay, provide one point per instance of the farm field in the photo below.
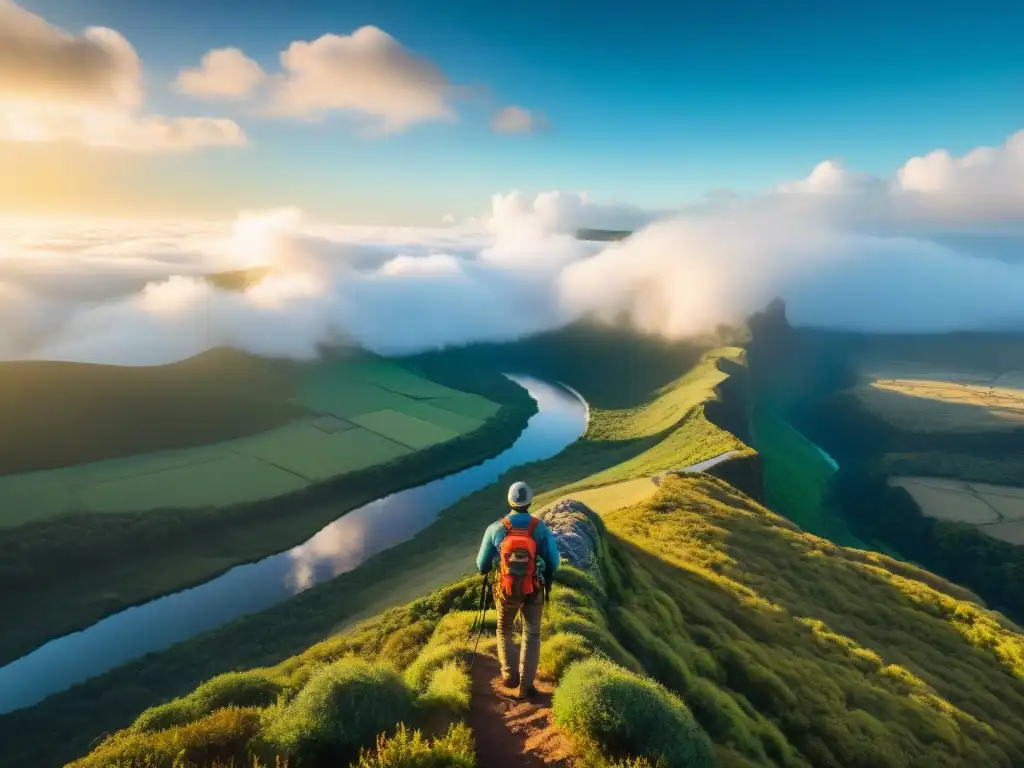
(997, 510)
(925, 398)
(345, 415)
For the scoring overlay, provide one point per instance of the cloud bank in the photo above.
(86, 89)
(911, 253)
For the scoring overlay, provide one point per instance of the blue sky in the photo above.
(649, 103)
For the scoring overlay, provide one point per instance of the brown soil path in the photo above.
(510, 733)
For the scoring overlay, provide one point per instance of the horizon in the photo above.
(383, 162)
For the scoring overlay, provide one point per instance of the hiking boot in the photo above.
(510, 681)
(528, 692)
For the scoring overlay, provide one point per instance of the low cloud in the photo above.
(563, 212)
(982, 189)
(223, 73)
(515, 119)
(845, 250)
(87, 89)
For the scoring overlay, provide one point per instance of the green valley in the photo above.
(707, 630)
(173, 474)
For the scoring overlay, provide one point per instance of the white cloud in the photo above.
(38, 60)
(864, 260)
(116, 129)
(563, 212)
(996, 171)
(828, 178)
(222, 73)
(985, 184)
(365, 73)
(680, 276)
(515, 119)
(931, 192)
(86, 89)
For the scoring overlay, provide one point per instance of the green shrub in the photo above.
(456, 627)
(636, 762)
(563, 649)
(449, 687)
(566, 601)
(574, 578)
(404, 750)
(629, 715)
(233, 689)
(343, 707)
(404, 644)
(418, 675)
(217, 738)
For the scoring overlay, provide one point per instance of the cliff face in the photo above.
(730, 411)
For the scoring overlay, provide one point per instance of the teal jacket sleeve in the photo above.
(487, 551)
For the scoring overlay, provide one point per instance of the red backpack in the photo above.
(519, 560)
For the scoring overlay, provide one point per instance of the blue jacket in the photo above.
(547, 547)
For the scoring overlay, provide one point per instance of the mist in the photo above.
(914, 253)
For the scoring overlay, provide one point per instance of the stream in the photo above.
(341, 546)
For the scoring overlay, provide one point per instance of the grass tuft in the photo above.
(411, 750)
(449, 687)
(630, 715)
(343, 708)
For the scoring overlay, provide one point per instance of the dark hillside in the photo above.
(808, 377)
(56, 414)
(630, 366)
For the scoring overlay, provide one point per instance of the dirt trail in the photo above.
(511, 733)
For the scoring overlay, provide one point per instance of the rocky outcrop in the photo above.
(571, 524)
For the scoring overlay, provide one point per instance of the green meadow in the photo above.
(347, 415)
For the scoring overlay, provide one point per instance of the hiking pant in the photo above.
(531, 607)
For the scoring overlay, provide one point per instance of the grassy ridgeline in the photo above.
(64, 573)
(750, 642)
(792, 651)
(661, 428)
(717, 617)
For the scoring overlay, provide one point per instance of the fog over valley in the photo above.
(937, 246)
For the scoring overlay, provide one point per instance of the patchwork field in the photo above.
(346, 415)
(926, 398)
(998, 510)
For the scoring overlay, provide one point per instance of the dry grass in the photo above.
(998, 510)
(608, 498)
(930, 399)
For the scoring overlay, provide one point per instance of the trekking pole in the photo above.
(480, 620)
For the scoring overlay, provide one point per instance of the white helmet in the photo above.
(519, 495)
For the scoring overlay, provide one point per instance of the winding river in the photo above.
(340, 547)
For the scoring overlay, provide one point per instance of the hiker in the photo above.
(527, 560)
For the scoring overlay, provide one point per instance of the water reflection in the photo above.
(341, 546)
